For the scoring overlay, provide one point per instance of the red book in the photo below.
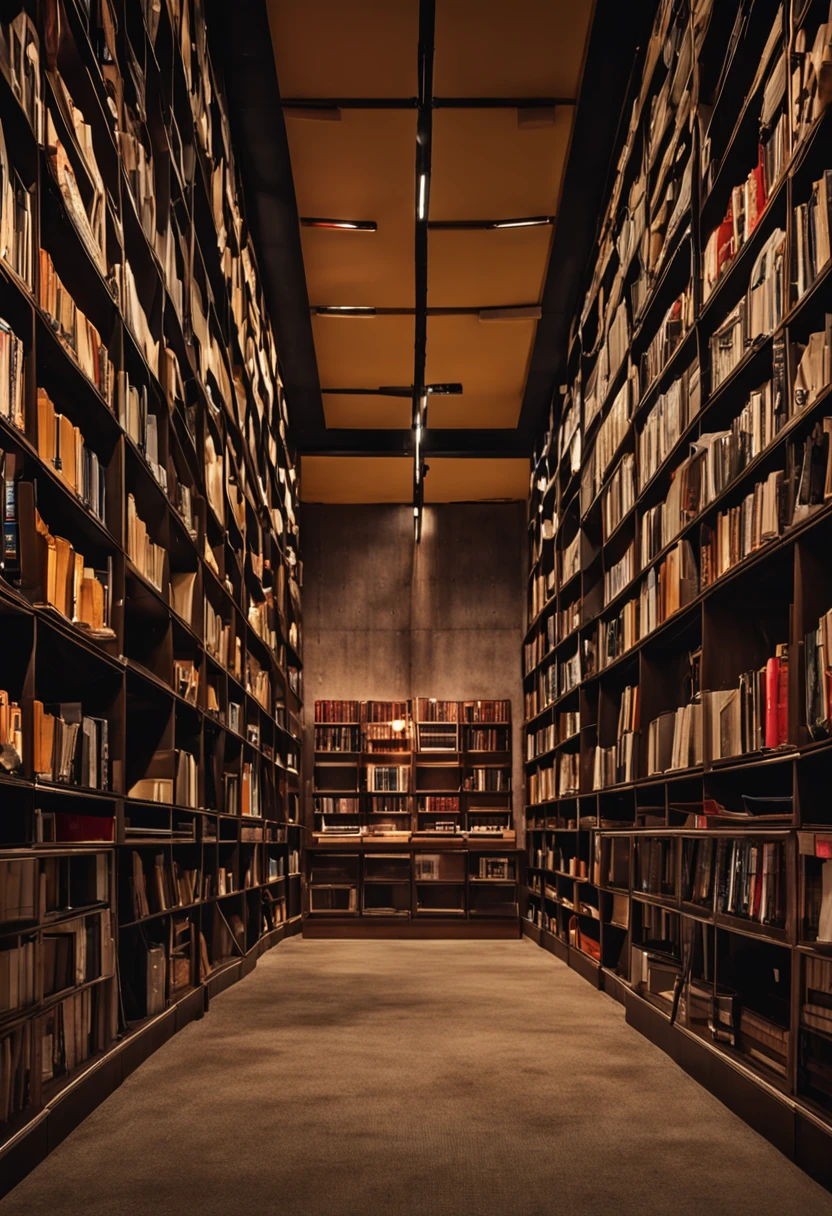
(783, 699)
(772, 702)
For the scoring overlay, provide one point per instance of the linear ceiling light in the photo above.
(422, 207)
(531, 312)
(533, 221)
(345, 310)
(444, 390)
(345, 225)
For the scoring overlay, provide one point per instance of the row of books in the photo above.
(61, 445)
(541, 644)
(388, 778)
(75, 330)
(751, 880)
(490, 780)
(337, 738)
(55, 571)
(745, 209)
(615, 764)
(758, 312)
(752, 716)
(673, 411)
(674, 739)
(70, 746)
(811, 229)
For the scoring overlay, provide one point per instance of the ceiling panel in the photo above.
(472, 479)
(362, 168)
(372, 268)
(356, 479)
(486, 167)
(475, 268)
(364, 48)
(384, 413)
(489, 358)
(534, 48)
(364, 352)
(390, 479)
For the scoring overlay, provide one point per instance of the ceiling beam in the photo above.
(437, 103)
(439, 442)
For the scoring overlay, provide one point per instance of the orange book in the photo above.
(63, 576)
(46, 427)
(44, 739)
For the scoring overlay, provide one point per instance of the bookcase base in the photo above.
(105, 1073)
(429, 928)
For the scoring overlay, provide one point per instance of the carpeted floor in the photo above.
(429, 1078)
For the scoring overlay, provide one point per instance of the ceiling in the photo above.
(327, 125)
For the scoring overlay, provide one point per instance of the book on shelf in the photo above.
(11, 734)
(818, 660)
(388, 778)
(12, 359)
(76, 333)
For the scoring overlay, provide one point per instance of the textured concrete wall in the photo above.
(387, 619)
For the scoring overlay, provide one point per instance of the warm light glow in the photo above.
(423, 189)
(398, 725)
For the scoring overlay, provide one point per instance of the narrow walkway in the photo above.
(429, 1078)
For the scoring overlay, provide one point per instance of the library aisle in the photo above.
(436, 1078)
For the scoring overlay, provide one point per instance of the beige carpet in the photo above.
(429, 1078)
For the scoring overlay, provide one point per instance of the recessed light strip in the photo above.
(340, 225)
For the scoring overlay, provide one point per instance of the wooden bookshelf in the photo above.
(149, 592)
(657, 630)
(412, 820)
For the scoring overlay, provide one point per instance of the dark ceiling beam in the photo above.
(241, 44)
(496, 444)
(618, 32)
(437, 103)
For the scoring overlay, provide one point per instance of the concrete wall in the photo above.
(385, 618)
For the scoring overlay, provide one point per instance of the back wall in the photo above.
(387, 619)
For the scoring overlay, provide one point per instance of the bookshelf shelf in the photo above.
(181, 671)
(422, 828)
(716, 406)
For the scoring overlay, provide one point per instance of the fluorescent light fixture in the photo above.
(423, 191)
(533, 221)
(345, 310)
(444, 390)
(340, 225)
(531, 312)
(417, 524)
(418, 456)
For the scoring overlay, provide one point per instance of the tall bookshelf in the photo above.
(676, 677)
(412, 820)
(149, 593)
